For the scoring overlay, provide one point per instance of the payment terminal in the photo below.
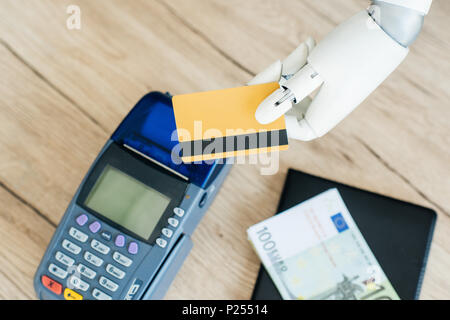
(128, 228)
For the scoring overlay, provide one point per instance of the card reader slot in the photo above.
(156, 162)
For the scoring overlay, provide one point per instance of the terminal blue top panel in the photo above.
(150, 128)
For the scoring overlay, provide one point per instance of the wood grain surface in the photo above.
(62, 93)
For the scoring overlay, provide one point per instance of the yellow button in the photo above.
(72, 295)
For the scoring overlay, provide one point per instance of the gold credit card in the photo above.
(221, 124)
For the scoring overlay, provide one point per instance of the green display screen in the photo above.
(126, 201)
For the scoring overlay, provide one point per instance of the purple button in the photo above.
(120, 241)
(133, 248)
(95, 226)
(82, 219)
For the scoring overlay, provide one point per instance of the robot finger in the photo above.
(295, 61)
(270, 74)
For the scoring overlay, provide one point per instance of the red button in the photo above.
(51, 284)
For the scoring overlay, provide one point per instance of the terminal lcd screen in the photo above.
(127, 201)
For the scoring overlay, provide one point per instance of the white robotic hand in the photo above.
(282, 71)
(345, 67)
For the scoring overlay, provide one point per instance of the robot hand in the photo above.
(345, 67)
(282, 71)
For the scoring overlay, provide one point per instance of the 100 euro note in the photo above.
(315, 251)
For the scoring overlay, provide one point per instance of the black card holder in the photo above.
(399, 233)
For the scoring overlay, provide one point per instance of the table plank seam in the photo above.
(27, 204)
(206, 39)
(11, 280)
(401, 176)
(51, 85)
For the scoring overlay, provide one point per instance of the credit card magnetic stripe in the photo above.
(222, 147)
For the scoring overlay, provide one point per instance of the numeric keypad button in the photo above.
(100, 295)
(71, 247)
(123, 260)
(99, 247)
(85, 271)
(57, 271)
(79, 284)
(93, 259)
(78, 235)
(64, 259)
(108, 284)
(114, 271)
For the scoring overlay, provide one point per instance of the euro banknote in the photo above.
(315, 251)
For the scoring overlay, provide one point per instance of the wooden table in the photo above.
(63, 92)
